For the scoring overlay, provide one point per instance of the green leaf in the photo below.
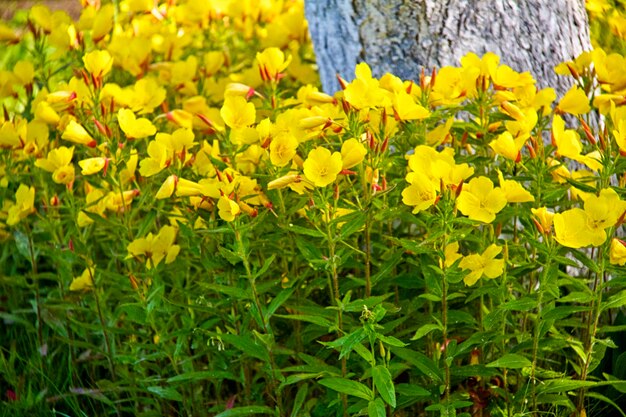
(607, 400)
(23, 244)
(411, 390)
(229, 255)
(510, 361)
(376, 408)
(422, 362)
(246, 411)
(585, 260)
(424, 330)
(615, 301)
(303, 231)
(349, 341)
(559, 313)
(430, 297)
(202, 375)
(370, 302)
(563, 385)
(582, 297)
(390, 340)
(168, 393)
(384, 384)
(349, 387)
(310, 252)
(134, 312)
(234, 292)
(265, 267)
(278, 301)
(300, 397)
(387, 267)
(247, 345)
(353, 222)
(295, 378)
(320, 321)
(522, 304)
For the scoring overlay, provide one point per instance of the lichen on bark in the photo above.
(402, 36)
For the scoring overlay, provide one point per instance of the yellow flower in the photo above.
(92, 165)
(421, 194)
(58, 162)
(7, 34)
(46, 113)
(64, 174)
(440, 134)
(155, 248)
(158, 159)
(167, 188)
(405, 107)
(98, 63)
(575, 102)
(577, 228)
(103, 22)
(271, 62)
(364, 91)
(567, 141)
(321, 167)
(134, 128)
(117, 202)
(483, 265)
(514, 191)
(283, 149)
(617, 255)
(604, 211)
(187, 188)
(352, 153)
(24, 71)
(84, 281)
(544, 218)
(284, 181)
(227, 209)
(237, 112)
(451, 254)
(24, 204)
(571, 230)
(76, 133)
(179, 142)
(506, 146)
(620, 136)
(181, 118)
(479, 200)
(94, 203)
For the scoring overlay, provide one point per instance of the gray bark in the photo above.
(402, 36)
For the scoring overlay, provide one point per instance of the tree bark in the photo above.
(402, 36)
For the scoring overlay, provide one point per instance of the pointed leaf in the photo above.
(246, 411)
(376, 408)
(167, 393)
(384, 384)
(300, 397)
(349, 387)
(510, 361)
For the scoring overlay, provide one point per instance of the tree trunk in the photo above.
(401, 36)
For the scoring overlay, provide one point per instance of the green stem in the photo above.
(368, 256)
(593, 319)
(334, 278)
(533, 368)
(105, 334)
(273, 388)
(34, 271)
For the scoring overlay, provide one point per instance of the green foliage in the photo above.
(190, 227)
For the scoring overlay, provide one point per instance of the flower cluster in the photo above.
(152, 153)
